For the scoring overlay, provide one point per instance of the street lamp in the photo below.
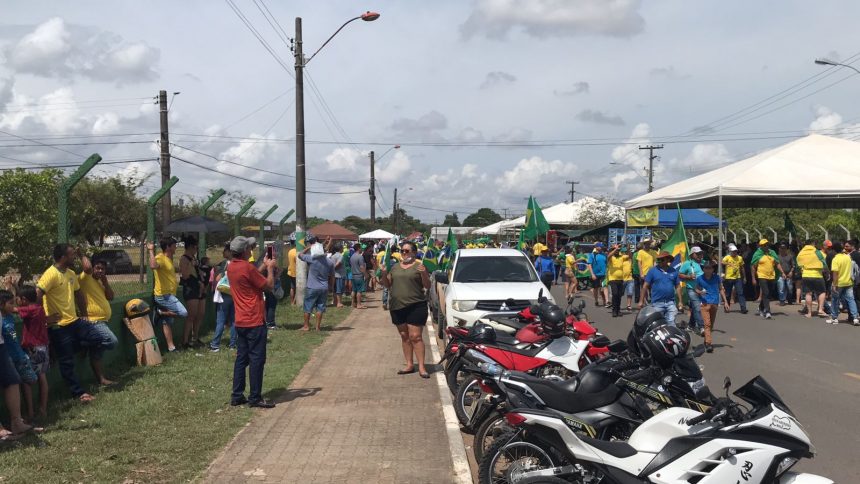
(827, 62)
(301, 199)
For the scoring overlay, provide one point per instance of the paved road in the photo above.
(814, 366)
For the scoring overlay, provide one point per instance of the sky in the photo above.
(491, 101)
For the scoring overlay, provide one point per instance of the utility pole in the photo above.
(372, 188)
(572, 191)
(505, 211)
(165, 156)
(301, 208)
(394, 214)
(651, 158)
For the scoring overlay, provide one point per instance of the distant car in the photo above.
(116, 261)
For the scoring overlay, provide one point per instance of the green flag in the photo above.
(677, 242)
(521, 243)
(536, 224)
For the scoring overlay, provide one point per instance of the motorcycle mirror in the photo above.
(541, 297)
(727, 383)
(582, 304)
(617, 346)
(600, 342)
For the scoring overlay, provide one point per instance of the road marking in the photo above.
(852, 375)
(462, 472)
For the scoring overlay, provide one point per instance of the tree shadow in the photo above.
(337, 328)
(284, 395)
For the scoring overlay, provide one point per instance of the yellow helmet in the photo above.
(136, 307)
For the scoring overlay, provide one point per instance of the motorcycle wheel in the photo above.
(466, 400)
(489, 430)
(543, 480)
(454, 375)
(508, 457)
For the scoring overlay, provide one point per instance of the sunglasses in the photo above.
(405, 251)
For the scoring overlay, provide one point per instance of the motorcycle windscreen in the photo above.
(759, 393)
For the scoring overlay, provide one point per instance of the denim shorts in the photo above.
(8, 373)
(315, 298)
(628, 288)
(169, 302)
(358, 284)
(339, 284)
(39, 359)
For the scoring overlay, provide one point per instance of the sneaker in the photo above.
(831, 321)
(856, 322)
(768, 316)
(744, 311)
(214, 350)
(709, 348)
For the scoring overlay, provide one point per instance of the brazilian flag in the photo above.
(677, 242)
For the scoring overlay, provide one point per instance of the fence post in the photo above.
(65, 190)
(201, 248)
(237, 227)
(281, 235)
(261, 242)
(150, 218)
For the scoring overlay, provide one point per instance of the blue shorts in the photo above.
(39, 359)
(358, 284)
(8, 374)
(339, 284)
(628, 288)
(171, 303)
(315, 298)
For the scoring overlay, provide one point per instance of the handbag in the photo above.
(223, 285)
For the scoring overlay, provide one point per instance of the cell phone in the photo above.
(270, 252)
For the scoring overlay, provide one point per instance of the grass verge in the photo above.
(160, 424)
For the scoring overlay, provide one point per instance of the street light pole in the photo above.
(828, 62)
(301, 194)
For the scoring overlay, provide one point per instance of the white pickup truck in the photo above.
(484, 283)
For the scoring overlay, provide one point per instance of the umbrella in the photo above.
(196, 223)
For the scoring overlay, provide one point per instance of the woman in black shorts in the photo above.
(407, 301)
(193, 293)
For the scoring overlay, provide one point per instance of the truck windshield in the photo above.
(494, 269)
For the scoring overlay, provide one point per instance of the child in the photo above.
(9, 377)
(35, 344)
(711, 292)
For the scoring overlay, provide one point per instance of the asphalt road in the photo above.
(814, 366)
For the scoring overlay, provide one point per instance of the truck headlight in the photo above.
(463, 304)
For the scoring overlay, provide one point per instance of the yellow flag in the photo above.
(643, 217)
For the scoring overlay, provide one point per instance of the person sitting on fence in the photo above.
(97, 291)
(168, 305)
(60, 289)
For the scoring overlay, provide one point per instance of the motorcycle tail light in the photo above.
(514, 419)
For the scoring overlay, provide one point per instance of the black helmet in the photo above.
(482, 333)
(666, 343)
(648, 318)
(552, 320)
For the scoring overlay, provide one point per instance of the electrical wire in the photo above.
(259, 37)
(36, 103)
(280, 33)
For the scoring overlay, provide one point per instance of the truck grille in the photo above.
(497, 305)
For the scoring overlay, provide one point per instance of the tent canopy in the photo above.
(566, 214)
(492, 229)
(377, 234)
(333, 230)
(693, 219)
(812, 172)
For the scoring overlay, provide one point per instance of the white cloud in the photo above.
(424, 128)
(547, 18)
(106, 123)
(470, 135)
(599, 117)
(825, 118)
(57, 49)
(514, 135)
(530, 174)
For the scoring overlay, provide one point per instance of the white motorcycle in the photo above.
(725, 445)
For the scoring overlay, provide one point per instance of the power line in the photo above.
(259, 37)
(36, 103)
(90, 143)
(280, 33)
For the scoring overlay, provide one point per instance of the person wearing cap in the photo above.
(733, 278)
(843, 284)
(663, 287)
(615, 274)
(689, 271)
(597, 271)
(646, 258)
(628, 270)
(247, 285)
(538, 249)
(224, 313)
(711, 292)
(164, 292)
(811, 263)
(545, 267)
(320, 270)
(570, 271)
(763, 267)
(358, 267)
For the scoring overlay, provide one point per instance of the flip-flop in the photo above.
(406, 372)
(424, 375)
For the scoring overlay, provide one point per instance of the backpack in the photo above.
(855, 272)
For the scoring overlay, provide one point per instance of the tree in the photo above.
(451, 220)
(482, 218)
(101, 206)
(28, 210)
(598, 211)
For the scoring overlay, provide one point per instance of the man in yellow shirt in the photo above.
(812, 264)
(59, 291)
(763, 267)
(733, 264)
(843, 284)
(291, 270)
(168, 304)
(628, 276)
(615, 273)
(570, 271)
(538, 248)
(95, 287)
(646, 259)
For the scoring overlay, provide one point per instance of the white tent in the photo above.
(812, 172)
(377, 234)
(566, 213)
(493, 229)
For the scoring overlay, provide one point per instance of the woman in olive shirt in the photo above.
(407, 302)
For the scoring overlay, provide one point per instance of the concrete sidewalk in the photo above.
(348, 417)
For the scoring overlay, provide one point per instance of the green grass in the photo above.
(160, 424)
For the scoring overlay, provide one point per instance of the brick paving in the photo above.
(348, 417)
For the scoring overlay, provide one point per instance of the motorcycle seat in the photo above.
(614, 448)
(562, 395)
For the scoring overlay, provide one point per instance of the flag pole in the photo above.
(720, 225)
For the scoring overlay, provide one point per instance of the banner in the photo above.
(643, 217)
(616, 236)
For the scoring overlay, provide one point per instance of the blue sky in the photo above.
(572, 80)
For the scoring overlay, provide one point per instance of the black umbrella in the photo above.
(196, 223)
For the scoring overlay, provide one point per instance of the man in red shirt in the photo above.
(246, 286)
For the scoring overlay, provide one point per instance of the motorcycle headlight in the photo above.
(784, 465)
(463, 305)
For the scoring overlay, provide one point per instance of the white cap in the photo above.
(695, 250)
(732, 247)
